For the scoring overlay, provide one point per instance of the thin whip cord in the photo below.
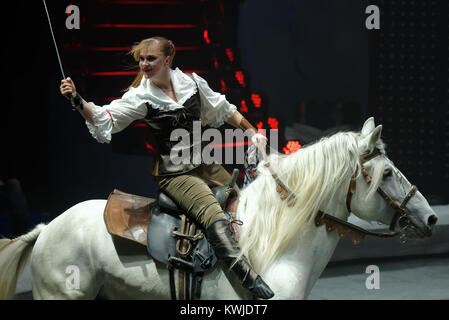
(54, 40)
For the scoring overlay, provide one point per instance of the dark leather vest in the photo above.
(162, 124)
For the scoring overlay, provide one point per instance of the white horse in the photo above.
(283, 243)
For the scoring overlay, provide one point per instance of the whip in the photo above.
(57, 51)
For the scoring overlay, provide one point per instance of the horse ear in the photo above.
(368, 127)
(374, 137)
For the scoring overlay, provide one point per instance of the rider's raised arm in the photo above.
(115, 117)
(215, 109)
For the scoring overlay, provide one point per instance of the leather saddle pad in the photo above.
(127, 215)
(141, 220)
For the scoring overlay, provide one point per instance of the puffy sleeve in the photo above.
(215, 109)
(116, 116)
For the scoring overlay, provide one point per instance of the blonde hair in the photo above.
(167, 48)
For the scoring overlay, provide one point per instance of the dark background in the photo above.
(313, 53)
(306, 50)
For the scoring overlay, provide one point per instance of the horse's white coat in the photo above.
(79, 237)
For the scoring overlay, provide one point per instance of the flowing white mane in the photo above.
(314, 173)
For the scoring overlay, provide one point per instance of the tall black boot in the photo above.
(220, 235)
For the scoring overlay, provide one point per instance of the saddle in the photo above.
(168, 234)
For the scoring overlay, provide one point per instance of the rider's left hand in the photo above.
(260, 141)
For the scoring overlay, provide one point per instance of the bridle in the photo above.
(345, 227)
(399, 209)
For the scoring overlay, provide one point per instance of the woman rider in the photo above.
(169, 99)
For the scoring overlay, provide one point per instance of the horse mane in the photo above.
(314, 173)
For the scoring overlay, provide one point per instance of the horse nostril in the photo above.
(432, 220)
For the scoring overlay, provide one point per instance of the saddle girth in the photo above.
(186, 241)
(189, 280)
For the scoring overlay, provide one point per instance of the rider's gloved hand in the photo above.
(260, 141)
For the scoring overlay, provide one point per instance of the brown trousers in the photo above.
(190, 191)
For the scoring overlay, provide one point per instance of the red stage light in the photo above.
(230, 54)
(224, 88)
(149, 147)
(260, 128)
(273, 122)
(291, 147)
(244, 107)
(215, 63)
(240, 78)
(206, 36)
(256, 99)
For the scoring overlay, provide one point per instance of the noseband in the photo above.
(399, 209)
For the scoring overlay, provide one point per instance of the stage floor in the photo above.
(409, 278)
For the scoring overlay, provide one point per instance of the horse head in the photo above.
(382, 193)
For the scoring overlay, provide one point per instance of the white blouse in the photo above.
(120, 113)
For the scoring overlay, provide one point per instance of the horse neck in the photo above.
(270, 226)
(335, 207)
(306, 258)
(307, 240)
